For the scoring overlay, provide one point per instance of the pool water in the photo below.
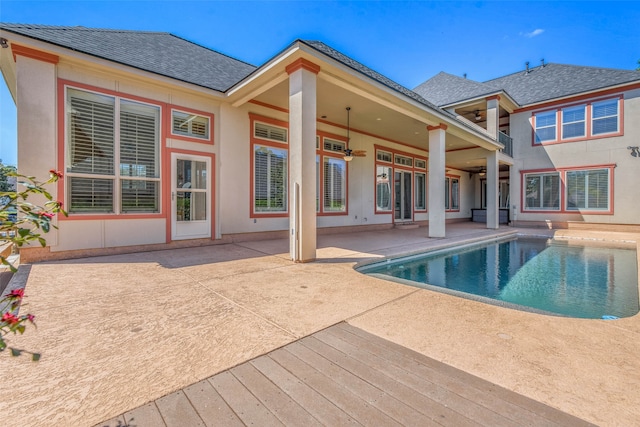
(544, 275)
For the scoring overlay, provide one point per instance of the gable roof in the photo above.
(445, 88)
(156, 52)
(542, 83)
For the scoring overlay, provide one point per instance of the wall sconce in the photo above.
(635, 151)
(3, 43)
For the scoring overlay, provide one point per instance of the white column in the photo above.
(493, 172)
(493, 116)
(302, 162)
(436, 180)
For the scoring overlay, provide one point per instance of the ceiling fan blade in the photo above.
(359, 153)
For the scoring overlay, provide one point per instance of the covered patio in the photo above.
(117, 332)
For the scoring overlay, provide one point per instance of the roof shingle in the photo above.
(157, 52)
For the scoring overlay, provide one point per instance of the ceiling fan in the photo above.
(349, 154)
(476, 114)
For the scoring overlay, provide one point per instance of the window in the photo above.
(604, 117)
(421, 191)
(573, 122)
(452, 194)
(403, 160)
(331, 175)
(588, 189)
(105, 131)
(273, 133)
(383, 188)
(421, 164)
(191, 125)
(269, 167)
(270, 179)
(542, 191)
(383, 156)
(335, 146)
(545, 126)
(334, 185)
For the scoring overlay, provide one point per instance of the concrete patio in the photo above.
(117, 332)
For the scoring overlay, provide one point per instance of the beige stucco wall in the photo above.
(612, 150)
(37, 134)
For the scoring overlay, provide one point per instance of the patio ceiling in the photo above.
(373, 118)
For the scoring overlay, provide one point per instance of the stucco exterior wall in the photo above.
(585, 153)
(39, 122)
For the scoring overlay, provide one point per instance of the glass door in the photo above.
(403, 201)
(190, 196)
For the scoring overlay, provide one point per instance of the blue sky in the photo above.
(408, 42)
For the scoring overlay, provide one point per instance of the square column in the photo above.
(493, 116)
(493, 172)
(437, 180)
(302, 160)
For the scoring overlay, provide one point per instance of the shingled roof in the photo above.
(355, 65)
(552, 81)
(157, 52)
(538, 84)
(445, 88)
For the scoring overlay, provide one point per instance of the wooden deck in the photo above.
(344, 376)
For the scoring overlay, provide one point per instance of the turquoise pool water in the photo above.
(579, 281)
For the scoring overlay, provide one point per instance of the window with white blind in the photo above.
(421, 191)
(573, 122)
(334, 185)
(112, 155)
(545, 126)
(587, 189)
(269, 132)
(270, 179)
(604, 117)
(191, 125)
(542, 191)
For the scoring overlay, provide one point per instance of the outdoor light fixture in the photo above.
(347, 152)
(635, 151)
(3, 43)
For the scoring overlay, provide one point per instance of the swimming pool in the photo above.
(586, 281)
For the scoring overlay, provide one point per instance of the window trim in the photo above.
(588, 103)
(262, 142)
(62, 184)
(209, 116)
(562, 172)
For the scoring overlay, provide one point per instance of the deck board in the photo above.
(344, 376)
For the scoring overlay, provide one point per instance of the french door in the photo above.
(403, 202)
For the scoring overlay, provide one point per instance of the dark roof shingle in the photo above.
(157, 52)
(552, 81)
(542, 83)
(444, 88)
